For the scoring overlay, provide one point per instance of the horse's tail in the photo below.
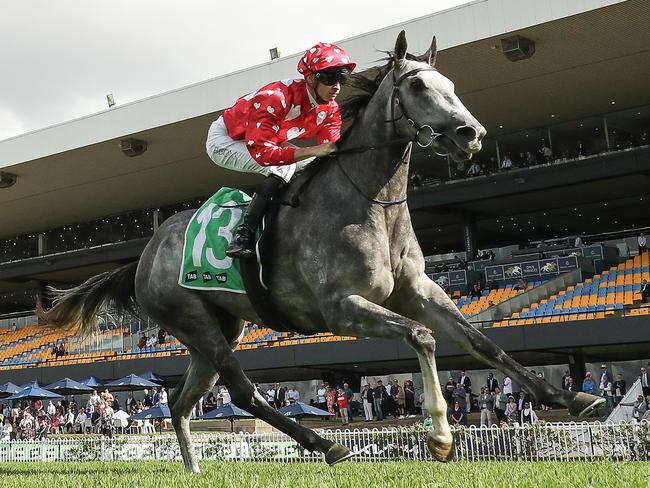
(78, 306)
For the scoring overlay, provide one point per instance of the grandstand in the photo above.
(587, 82)
(594, 298)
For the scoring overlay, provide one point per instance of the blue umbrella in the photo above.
(8, 389)
(31, 384)
(130, 382)
(34, 393)
(299, 410)
(92, 382)
(66, 386)
(151, 376)
(158, 411)
(229, 411)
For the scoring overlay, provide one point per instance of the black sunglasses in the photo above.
(330, 78)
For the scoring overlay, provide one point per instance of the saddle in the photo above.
(254, 273)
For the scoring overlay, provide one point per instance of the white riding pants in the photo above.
(230, 154)
(367, 409)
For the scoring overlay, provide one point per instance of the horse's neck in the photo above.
(380, 173)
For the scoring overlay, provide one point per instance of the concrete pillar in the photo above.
(577, 368)
(156, 219)
(498, 151)
(40, 244)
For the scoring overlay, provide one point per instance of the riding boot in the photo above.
(243, 243)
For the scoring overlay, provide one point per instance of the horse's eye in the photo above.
(417, 84)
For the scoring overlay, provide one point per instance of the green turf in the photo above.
(316, 475)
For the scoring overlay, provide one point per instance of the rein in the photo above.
(395, 101)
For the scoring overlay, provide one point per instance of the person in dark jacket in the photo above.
(492, 383)
(467, 385)
(379, 396)
(620, 388)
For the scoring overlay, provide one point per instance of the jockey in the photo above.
(252, 136)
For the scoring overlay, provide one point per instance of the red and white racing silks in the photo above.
(283, 110)
(277, 113)
(324, 56)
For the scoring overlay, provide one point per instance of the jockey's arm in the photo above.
(314, 151)
(262, 134)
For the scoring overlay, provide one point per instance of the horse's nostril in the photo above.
(466, 132)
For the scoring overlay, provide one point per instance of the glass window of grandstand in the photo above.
(577, 139)
(120, 228)
(628, 129)
(427, 168)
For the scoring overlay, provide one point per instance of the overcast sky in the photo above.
(59, 58)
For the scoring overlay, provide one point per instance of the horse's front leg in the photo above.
(429, 304)
(356, 316)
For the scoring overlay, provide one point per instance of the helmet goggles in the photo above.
(333, 76)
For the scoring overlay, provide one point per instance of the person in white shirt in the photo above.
(292, 395)
(322, 399)
(270, 396)
(95, 399)
(68, 421)
(121, 414)
(607, 393)
(163, 396)
(641, 240)
(51, 409)
(7, 429)
(507, 385)
(225, 396)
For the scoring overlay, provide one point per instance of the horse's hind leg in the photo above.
(356, 316)
(429, 304)
(199, 378)
(214, 346)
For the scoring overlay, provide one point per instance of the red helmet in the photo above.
(324, 56)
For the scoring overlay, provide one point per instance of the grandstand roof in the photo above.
(588, 54)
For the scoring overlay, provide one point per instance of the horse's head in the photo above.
(423, 102)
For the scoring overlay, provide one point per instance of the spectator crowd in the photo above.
(34, 419)
(497, 403)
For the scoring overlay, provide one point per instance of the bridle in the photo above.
(394, 102)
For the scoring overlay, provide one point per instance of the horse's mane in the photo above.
(367, 84)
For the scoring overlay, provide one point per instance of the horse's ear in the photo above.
(400, 47)
(432, 53)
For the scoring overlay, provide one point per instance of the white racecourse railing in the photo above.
(541, 442)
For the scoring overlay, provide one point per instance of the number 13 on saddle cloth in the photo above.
(205, 264)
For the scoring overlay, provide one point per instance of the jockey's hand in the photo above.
(326, 148)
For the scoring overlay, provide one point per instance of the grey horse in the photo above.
(346, 261)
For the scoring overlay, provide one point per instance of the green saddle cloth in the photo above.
(205, 264)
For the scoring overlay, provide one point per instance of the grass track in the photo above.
(316, 475)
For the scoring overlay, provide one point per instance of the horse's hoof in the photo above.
(584, 404)
(336, 454)
(441, 451)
